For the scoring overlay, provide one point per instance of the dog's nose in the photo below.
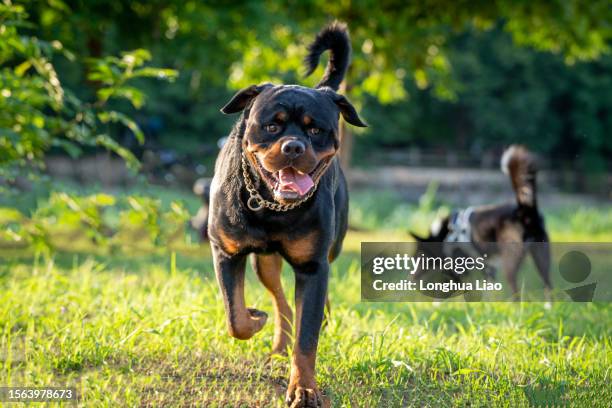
(293, 148)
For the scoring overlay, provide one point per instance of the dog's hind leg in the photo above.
(242, 323)
(540, 252)
(268, 269)
(511, 258)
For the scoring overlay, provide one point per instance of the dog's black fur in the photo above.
(517, 224)
(310, 236)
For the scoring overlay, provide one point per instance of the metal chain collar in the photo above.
(256, 202)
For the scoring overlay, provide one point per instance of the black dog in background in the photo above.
(517, 224)
(278, 192)
(199, 222)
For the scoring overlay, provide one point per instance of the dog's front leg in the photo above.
(242, 323)
(310, 294)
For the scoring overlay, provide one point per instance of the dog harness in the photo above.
(460, 233)
(460, 229)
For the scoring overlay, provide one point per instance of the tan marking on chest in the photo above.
(302, 249)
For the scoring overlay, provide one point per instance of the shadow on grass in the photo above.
(212, 380)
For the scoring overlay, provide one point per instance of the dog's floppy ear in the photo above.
(243, 98)
(347, 110)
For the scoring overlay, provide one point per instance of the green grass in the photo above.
(149, 330)
(386, 210)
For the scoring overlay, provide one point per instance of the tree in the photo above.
(506, 95)
(38, 113)
(397, 44)
(401, 50)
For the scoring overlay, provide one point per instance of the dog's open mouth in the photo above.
(289, 183)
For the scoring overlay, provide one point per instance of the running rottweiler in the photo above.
(278, 192)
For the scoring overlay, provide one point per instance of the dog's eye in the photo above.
(314, 131)
(272, 128)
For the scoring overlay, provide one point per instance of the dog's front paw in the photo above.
(301, 397)
(246, 327)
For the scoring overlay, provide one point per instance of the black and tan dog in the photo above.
(506, 230)
(278, 192)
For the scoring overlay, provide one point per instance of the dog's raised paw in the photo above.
(248, 325)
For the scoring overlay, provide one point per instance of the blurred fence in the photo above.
(426, 165)
(391, 168)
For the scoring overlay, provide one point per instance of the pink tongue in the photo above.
(290, 179)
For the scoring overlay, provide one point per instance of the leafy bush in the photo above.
(95, 223)
(38, 113)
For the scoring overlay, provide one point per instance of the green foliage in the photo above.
(98, 222)
(37, 112)
(392, 42)
(114, 73)
(415, 75)
(506, 95)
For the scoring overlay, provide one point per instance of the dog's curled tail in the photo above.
(335, 38)
(520, 164)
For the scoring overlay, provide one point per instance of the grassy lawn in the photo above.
(148, 330)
